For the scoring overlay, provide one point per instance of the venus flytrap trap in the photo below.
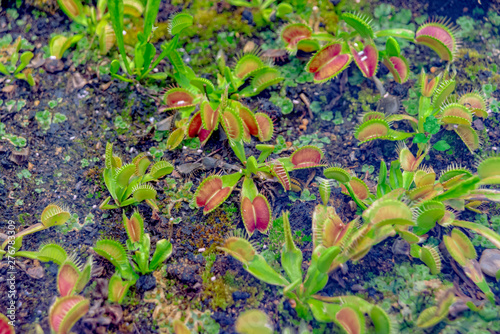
(65, 312)
(96, 20)
(348, 312)
(253, 322)
(437, 108)
(432, 201)
(338, 51)
(255, 208)
(140, 67)
(6, 326)
(129, 184)
(128, 267)
(52, 215)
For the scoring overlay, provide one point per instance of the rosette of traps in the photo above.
(332, 55)
(254, 206)
(302, 288)
(218, 107)
(431, 200)
(130, 184)
(438, 108)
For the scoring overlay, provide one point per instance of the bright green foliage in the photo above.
(139, 244)
(52, 215)
(255, 208)
(16, 64)
(142, 64)
(128, 184)
(345, 311)
(431, 201)
(434, 111)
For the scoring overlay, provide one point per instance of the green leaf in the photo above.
(263, 271)
(421, 138)
(441, 145)
(152, 8)
(323, 312)
(291, 256)
(25, 60)
(431, 125)
(115, 8)
(162, 252)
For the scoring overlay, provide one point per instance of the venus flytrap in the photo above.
(95, 19)
(218, 105)
(128, 267)
(255, 208)
(338, 51)
(129, 184)
(52, 215)
(140, 67)
(438, 107)
(432, 200)
(348, 312)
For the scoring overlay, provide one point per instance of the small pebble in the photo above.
(490, 262)
(213, 279)
(201, 250)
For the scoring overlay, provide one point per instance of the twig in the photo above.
(304, 99)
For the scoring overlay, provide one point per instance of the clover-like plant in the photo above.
(438, 107)
(96, 20)
(255, 209)
(15, 68)
(359, 45)
(65, 312)
(348, 312)
(52, 215)
(432, 201)
(128, 184)
(128, 267)
(143, 62)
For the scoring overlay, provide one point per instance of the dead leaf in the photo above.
(106, 85)
(8, 89)
(75, 82)
(37, 62)
(36, 272)
(21, 156)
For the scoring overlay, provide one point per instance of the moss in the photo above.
(210, 233)
(474, 63)
(366, 100)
